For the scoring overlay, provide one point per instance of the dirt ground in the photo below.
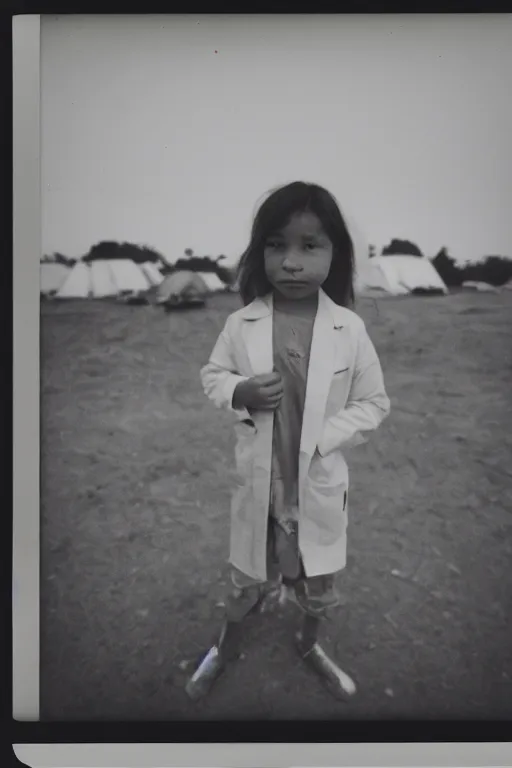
(136, 475)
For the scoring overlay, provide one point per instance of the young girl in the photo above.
(299, 371)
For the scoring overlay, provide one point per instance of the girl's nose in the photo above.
(290, 265)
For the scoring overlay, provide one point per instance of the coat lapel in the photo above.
(257, 334)
(322, 363)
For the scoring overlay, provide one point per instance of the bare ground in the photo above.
(136, 476)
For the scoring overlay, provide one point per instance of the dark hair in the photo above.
(273, 215)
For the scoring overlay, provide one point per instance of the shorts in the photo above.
(315, 595)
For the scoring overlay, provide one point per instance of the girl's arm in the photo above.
(219, 376)
(367, 405)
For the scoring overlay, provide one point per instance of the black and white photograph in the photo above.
(276, 367)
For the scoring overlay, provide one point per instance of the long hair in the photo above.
(273, 215)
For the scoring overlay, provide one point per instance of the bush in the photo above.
(494, 270)
(58, 258)
(401, 248)
(110, 249)
(448, 269)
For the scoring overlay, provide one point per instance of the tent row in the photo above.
(98, 279)
(117, 277)
(388, 275)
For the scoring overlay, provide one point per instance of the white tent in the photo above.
(183, 286)
(128, 276)
(212, 281)
(398, 275)
(77, 284)
(479, 286)
(152, 273)
(102, 280)
(52, 277)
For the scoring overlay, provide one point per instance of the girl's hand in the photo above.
(259, 393)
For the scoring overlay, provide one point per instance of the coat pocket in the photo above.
(326, 496)
(329, 472)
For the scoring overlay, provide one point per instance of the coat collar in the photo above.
(263, 307)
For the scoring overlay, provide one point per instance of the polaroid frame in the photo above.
(153, 744)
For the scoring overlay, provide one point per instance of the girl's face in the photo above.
(298, 257)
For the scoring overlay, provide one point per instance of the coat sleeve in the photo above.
(220, 377)
(367, 405)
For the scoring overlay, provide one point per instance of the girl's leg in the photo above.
(240, 604)
(245, 598)
(314, 597)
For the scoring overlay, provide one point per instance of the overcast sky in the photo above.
(168, 130)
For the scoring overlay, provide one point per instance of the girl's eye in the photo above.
(273, 244)
(311, 246)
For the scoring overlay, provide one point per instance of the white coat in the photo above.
(345, 398)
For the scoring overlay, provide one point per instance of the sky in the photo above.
(169, 130)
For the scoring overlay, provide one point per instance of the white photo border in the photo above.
(26, 391)
(264, 755)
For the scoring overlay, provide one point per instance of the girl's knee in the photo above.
(317, 596)
(241, 601)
